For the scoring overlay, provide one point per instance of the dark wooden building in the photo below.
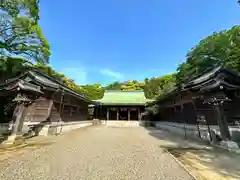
(40, 99)
(211, 99)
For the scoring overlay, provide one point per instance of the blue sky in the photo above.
(101, 41)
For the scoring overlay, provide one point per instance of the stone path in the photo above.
(202, 160)
(95, 153)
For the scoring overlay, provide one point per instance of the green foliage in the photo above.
(94, 91)
(20, 33)
(113, 86)
(23, 46)
(29, 8)
(222, 48)
(12, 66)
(159, 86)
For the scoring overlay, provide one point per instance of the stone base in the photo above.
(229, 144)
(13, 139)
(96, 122)
(122, 123)
(44, 131)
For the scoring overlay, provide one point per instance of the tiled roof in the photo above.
(42, 80)
(131, 97)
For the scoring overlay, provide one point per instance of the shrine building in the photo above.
(41, 105)
(117, 105)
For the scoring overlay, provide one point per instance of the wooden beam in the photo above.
(67, 104)
(179, 103)
(49, 109)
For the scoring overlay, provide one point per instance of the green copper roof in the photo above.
(116, 97)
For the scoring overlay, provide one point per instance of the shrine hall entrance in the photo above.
(134, 114)
(123, 113)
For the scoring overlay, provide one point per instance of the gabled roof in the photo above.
(214, 79)
(118, 97)
(35, 81)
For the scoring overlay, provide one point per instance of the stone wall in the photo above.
(56, 127)
(191, 131)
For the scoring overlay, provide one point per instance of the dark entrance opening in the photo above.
(112, 114)
(7, 108)
(123, 114)
(134, 115)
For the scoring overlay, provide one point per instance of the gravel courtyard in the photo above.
(96, 153)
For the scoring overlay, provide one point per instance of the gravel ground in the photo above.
(96, 153)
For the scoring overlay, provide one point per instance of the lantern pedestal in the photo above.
(14, 139)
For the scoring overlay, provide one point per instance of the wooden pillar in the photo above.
(62, 106)
(117, 114)
(49, 109)
(138, 113)
(196, 120)
(129, 111)
(18, 115)
(107, 113)
(95, 112)
(184, 120)
(222, 122)
(70, 114)
(100, 113)
(217, 102)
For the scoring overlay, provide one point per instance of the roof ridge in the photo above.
(56, 81)
(45, 75)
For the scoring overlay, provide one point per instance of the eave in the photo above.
(24, 80)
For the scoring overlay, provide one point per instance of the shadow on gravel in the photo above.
(199, 155)
(24, 146)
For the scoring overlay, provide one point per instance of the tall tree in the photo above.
(20, 34)
(218, 49)
(158, 87)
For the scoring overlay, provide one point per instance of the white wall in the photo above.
(121, 123)
(58, 127)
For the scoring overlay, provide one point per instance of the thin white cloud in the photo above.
(109, 72)
(78, 74)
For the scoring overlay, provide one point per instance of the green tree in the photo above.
(20, 33)
(218, 49)
(93, 91)
(156, 87)
(12, 66)
(113, 86)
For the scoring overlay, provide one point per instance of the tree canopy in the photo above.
(20, 34)
(219, 49)
(23, 46)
